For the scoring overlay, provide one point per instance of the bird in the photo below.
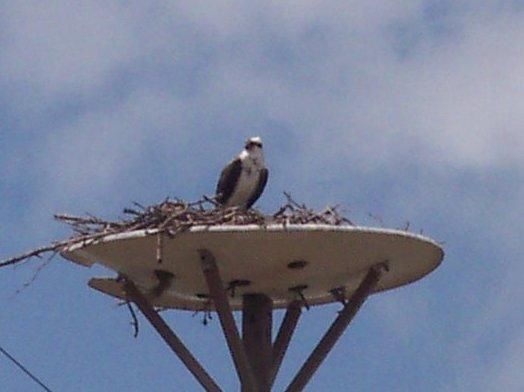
(243, 180)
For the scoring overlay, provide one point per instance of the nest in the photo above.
(173, 216)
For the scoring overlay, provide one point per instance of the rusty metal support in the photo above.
(257, 322)
(337, 328)
(134, 294)
(218, 295)
(285, 333)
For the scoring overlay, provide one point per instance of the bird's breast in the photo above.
(246, 185)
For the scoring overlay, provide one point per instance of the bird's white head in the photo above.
(253, 143)
(253, 149)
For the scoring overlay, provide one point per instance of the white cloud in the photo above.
(57, 46)
(455, 100)
(330, 72)
(100, 150)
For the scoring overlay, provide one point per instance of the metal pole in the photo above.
(285, 332)
(219, 297)
(170, 338)
(336, 329)
(257, 312)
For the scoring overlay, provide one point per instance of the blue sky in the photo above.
(408, 110)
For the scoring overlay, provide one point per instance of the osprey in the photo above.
(244, 178)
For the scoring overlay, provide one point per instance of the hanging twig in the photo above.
(35, 274)
(134, 321)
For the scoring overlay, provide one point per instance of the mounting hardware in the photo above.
(339, 293)
(297, 264)
(231, 287)
(299, 290)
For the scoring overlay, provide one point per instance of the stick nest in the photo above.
(173, 216)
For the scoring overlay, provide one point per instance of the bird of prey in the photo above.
(243, 179)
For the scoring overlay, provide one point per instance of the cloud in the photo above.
(332, 74)
(57, 46)
(452, 100)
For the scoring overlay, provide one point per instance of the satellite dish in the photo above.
(279, 261)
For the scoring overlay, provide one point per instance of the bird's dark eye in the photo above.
(250, 145)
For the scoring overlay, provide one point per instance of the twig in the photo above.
(134, 321)
(39, 269)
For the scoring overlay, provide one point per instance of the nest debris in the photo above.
(173, 216)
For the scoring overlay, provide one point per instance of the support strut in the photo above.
(256, 360)
(337, 328)
(172, 340)
(257, 312)
(285, 333)
(218, 295)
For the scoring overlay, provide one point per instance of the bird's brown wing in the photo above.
(228, 179)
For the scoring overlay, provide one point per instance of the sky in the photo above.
(408, 111)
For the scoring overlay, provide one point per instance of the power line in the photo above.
(24, 369)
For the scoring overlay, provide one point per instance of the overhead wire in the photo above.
(24, 369)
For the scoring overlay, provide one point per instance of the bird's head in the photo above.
(253, 143)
